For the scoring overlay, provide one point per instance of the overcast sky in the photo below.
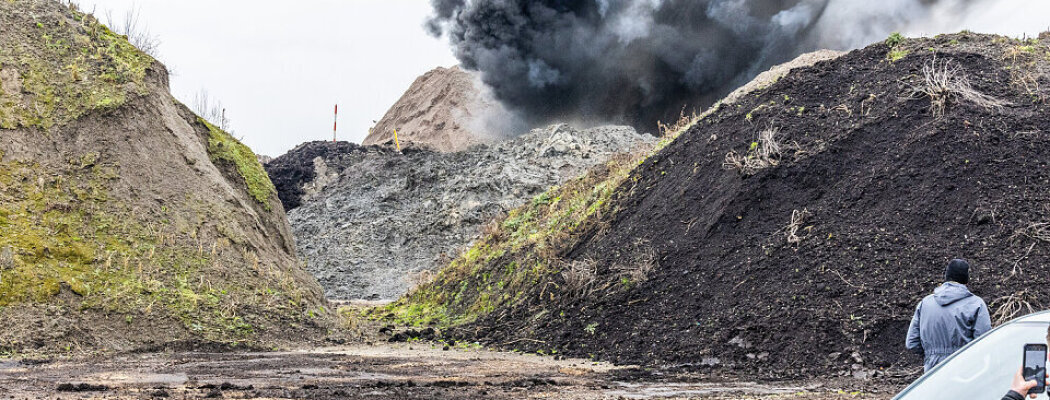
(279, 67)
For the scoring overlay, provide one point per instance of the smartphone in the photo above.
(1035, 366)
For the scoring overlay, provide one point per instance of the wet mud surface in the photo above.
(409, 371)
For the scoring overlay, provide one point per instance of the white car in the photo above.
(984, 369)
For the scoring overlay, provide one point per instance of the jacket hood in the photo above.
(950, 292)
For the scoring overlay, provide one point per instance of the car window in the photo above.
(982, 370)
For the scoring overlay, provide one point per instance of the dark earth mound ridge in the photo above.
(811, 263)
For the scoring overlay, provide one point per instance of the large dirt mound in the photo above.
(442, 110)
(371, 218)
(125, 220)
(791, 233)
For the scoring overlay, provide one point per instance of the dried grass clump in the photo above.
(1024, 74)
(1013, 306)
(668, 133)
(1036, 231)
(944, 83)
(684, 122)
(639, 269)
(764, 153)
(797, 219)
(131, 26)
(419, 278)
(493, 228)
(580, 277)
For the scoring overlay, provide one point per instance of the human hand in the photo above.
(1022, 387)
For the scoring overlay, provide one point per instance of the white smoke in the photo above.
(1014, 18)
(795, 19)
(635, 22)
(734, 15)
(850, 24)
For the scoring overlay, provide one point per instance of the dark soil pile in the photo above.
(295, 172)
(808, 261)
(126, 221)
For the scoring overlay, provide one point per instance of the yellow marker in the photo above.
(396, 143)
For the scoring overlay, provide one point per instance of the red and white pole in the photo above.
(335, 122)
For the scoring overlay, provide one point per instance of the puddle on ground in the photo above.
(143, 379)
(7, 365)
(666, 390)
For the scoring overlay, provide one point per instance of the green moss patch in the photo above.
(222, 146)
(67, 66)
(60, 230)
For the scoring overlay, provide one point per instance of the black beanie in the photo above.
(957, 271)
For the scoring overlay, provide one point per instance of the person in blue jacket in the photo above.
(948, 319)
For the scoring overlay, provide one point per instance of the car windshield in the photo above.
(982, 370)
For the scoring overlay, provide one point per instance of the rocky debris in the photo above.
(80, 387)
(428, 334)
(443, 110)
(370, 221)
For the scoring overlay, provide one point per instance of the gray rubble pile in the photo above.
(370, 220)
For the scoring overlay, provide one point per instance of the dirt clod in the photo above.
(81, 387)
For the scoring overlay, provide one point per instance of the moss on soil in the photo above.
(66, 68)
(59, 229)
(223, 146)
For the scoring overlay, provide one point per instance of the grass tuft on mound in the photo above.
(223, 146)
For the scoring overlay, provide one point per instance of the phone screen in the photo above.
(1035, 367)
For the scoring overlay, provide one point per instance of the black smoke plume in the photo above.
(640, 61)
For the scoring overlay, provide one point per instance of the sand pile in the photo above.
(442, 110)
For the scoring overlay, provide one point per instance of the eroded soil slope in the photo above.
(791, 233)
(125, 220)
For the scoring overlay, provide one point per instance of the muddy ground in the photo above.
(387, 371)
